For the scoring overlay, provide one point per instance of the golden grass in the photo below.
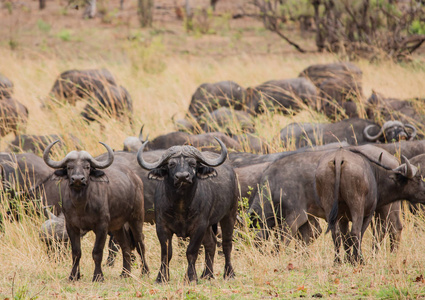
(161, 81)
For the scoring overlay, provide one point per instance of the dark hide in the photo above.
(101, 199)
(37, 143)
(284, 95)
(352, 186)
(6, 87)
(190, 199)
(349, 130)
(202, 141)
(210, 96)
(226, 120)
(13, 117)
(114, 101)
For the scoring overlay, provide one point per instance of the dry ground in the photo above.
(161, 67)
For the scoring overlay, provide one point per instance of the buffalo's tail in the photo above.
(333, 215)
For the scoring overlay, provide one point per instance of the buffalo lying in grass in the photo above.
(210, 96)
(354, 131)
(13, 117)
(284, 95)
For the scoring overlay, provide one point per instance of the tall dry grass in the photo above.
(161, 84)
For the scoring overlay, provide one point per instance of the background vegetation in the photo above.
(161, 67)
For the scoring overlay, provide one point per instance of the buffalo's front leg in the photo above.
(99, 244)
(165, 239)
(74, 236)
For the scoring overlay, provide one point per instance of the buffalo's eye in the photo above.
(171, 164)
(86, 167)
(192, 164)
(70, 168)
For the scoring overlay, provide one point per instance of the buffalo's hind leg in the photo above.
(136, 227)
(113, 249)
(210, 244)
(124, 243)
(227, 224)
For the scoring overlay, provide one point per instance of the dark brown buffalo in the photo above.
(337, 96)
(354, 131)
(23, 171)
(210, 96)
(343, 70)
(133, 143)
(193, 195)
(73, 85)
(37, 143)
(285, 95)
(387, 108)
(351, 187)
(6, 87)
(340, 87)
(288, 193)
(202, 141)
(249, 177)
(114, 101)
(226, 120)
(13, 117)
(98, 87)
(252, 143)
(101, 199)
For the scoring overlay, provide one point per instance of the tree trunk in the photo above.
(189, 16)
(213, 4)
(320, 44)
(42, 4)
(145, 10)
(90, 10)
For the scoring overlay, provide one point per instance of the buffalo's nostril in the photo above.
(182, 176)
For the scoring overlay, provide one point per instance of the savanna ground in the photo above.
(161, 67)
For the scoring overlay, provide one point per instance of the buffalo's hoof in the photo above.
(229, 273)
(110, 262)
(161, 279)
(98, 278)
(145, 270)
(207, 275)
(125, 274)
(74, 277)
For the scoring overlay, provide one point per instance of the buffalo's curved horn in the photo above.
(410, 170)
(214, 162)
(369, 137)
(141, 133)
(103, 164)
(48, 213)
(51, 163)
(407, 170)
(150, 166)
(413, 134)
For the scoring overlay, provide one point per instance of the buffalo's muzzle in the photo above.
(78, 181)
(182, 178)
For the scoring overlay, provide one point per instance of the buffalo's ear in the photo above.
(205, 172)
(96, 173)
(98, 176)
(59, 174)
(157, 174)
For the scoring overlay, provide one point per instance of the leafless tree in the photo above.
(145, 12)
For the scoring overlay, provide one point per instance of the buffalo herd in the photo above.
(191, 182)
